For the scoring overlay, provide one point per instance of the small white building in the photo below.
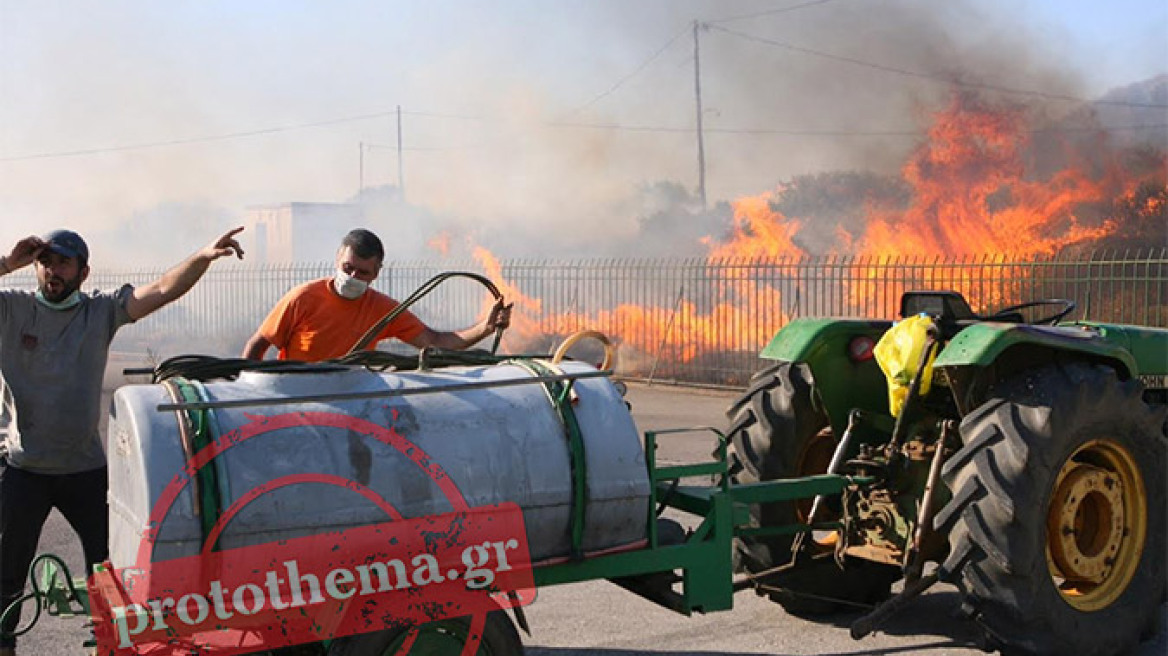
(298, 232)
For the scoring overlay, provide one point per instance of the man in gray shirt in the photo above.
(54, 344)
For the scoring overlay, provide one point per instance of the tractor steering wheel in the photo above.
(1065, 308)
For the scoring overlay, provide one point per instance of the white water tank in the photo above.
(495, 443)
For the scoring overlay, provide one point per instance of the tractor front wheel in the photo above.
(1057, 525)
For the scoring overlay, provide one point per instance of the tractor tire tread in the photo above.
(1001, 478)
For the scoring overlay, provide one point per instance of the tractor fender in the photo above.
(840, 382)
(1149, 347)
(807, 340)
(984, 344)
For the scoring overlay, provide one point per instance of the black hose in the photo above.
(38, 596)
(207, 367)
(426, 288)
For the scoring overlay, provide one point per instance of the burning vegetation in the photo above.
(983, 183)
(966, 191)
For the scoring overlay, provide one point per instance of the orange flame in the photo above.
(526, 311)
(759, 231)
(970, 195)
(675, 333)
(440, 243)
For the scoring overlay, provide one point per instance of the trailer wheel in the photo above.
(1057, 525)
(777, 431)
(447, 636)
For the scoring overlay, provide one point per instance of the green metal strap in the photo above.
(791, 489)
(664, 482)
(559, 393)
(204, 430)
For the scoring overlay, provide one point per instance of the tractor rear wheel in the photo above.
(777, 430)
(1057, 525)
(449, 636)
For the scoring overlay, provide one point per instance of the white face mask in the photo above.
(68, 302)
(348, 286)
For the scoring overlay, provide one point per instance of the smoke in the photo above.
(508, 115)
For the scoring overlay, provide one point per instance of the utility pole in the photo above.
(401, 182)
(698, 102)
(360, 168)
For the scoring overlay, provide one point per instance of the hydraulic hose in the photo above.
(426, 288)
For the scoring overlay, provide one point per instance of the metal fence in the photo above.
(685, 320)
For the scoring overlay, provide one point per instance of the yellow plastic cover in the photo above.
(899, 354)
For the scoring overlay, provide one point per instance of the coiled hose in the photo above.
(206, 367)
(426, 288)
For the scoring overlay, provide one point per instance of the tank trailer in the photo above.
(1018, 457)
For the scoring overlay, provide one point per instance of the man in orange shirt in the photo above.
(323, 319)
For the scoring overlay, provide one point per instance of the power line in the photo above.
(618, 127)
(460, 117)
(770, 12)
(1118, 128)
(920, 133)
(549, 124)
(193, 140)
(640, 67)
(635, 128)
(237, 135)
(929, 76)
(630, 75)
(420, 149)
(829, 133)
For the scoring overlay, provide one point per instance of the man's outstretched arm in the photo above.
(457, 340)
(179, 279)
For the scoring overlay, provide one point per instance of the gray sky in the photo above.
(509, 106)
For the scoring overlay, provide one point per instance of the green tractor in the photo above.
(1020, 458)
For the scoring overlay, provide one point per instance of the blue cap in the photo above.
(67, 243)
